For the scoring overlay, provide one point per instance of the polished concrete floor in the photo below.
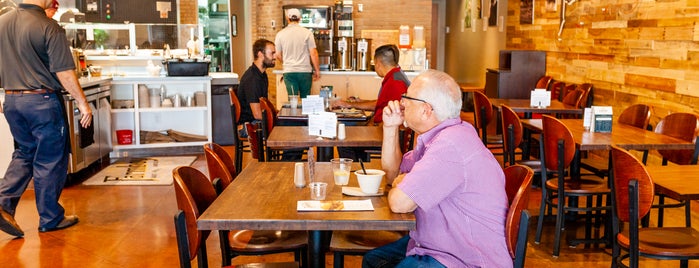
(132, 226)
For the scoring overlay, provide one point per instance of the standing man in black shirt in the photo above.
(254, 83)
(36, 65)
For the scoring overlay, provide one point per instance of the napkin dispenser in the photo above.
(601, 119)
(540, 97)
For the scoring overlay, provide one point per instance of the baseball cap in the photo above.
(54, 4)
(293, 12)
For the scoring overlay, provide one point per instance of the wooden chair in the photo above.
(684, 126)
(633, 198)
(194, 194)
(359, 243)
(257, 148)
(269, 120)
(637, 115)
(483, 115)
(557, 88)
(512, 132)
(586, 98)
(557, 152)
(544, 82)
(237, 140)
(248, 242)
(518, 180)
(220, 165)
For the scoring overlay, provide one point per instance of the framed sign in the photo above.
(526, 11)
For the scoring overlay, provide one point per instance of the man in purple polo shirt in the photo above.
(450, 181)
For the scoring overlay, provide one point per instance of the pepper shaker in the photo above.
(299, 178)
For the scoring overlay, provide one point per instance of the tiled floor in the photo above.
(132, 226)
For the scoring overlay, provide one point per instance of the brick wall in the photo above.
(632, 51)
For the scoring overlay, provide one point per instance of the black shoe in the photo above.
(68, 221)
(9, 225)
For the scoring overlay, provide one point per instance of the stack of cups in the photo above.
(154, 98)
(143, 96)
(200, 98)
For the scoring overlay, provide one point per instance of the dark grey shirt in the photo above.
(33, 48)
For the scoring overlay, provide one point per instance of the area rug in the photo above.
(140, 171)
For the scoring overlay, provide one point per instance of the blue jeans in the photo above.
(393, 255)
(38, 127)
(300, 81)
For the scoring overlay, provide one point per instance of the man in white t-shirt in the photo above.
(296, 49)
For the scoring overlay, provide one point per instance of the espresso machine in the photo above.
(323, 39)
(343, 42)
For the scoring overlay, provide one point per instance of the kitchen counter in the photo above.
(362, 84)
(93, 81)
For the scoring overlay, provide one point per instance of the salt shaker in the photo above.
(341, 134)
(299, 178)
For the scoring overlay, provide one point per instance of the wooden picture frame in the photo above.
(526, 11)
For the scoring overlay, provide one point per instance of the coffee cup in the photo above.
(370, 182)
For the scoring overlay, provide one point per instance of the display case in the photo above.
(166, 124)
(123, 39)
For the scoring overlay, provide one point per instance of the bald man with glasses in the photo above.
(452, 183)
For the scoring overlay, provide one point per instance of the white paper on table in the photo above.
(312, 104)
(322, 124)
(601, 119)
(338, 205)
(587, 118)
(540, 97)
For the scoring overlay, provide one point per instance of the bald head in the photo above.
(441, 91)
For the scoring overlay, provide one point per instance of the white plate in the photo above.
(334, 205)
(356, 191)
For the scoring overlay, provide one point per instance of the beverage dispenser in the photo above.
(344, 32)
(363, 53)
(343, 53)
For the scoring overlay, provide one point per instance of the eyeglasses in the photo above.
(404, 96)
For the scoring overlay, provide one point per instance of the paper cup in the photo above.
(370, 183)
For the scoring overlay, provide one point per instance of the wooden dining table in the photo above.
(678, 182)
(263, 197)
(622, 135)
(297, 136)
(524, 106)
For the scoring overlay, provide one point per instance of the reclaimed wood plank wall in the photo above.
(632, 51)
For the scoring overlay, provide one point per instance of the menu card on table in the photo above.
(540, 98)
(337, 205)
(312, 104)
(601, 119)
(322, 124)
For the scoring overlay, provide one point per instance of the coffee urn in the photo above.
(363, 54)
(343, 53)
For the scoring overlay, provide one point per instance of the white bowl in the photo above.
(371, 182)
